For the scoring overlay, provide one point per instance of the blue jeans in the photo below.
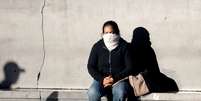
(119, 91)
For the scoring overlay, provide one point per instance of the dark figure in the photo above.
(12, 72)
(53, 96)
(145, 62)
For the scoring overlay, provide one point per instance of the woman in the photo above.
(143, 54)
(145, 59)
(109, 62)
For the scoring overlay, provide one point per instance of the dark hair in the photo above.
(114, 26)
(141, 37)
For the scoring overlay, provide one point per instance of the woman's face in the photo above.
(108, 29)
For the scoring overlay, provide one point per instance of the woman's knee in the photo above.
(118, 93)
(93, 92)
(120, 90)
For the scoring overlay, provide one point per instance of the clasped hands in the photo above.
(108, 81)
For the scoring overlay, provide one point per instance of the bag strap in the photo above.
(120, 81)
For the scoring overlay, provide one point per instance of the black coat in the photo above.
(147, 65)
(102, 62)
(145, 62)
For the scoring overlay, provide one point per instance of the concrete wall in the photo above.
(71, 27)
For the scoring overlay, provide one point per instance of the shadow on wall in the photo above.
(53, 96)
(145, 62)
(11, 74)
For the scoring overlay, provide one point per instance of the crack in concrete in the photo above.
(43, 41)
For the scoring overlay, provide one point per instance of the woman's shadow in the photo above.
(145, 62)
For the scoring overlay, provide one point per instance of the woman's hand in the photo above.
(108, 81)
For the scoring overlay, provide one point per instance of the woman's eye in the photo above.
(108, 33)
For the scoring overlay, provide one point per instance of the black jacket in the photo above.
(102, 62)
(145, 62)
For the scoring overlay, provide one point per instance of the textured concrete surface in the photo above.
(54, 37)
(21, 38)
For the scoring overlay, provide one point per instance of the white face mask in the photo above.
(111, 40)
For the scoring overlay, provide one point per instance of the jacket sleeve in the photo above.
(128, 66)
(152, 62)
(92, 65)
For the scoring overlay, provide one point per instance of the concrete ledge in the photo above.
(80, 95)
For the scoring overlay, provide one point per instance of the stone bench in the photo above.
(81, 95)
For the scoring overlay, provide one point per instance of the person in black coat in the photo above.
(109, 62)
(145, 62)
